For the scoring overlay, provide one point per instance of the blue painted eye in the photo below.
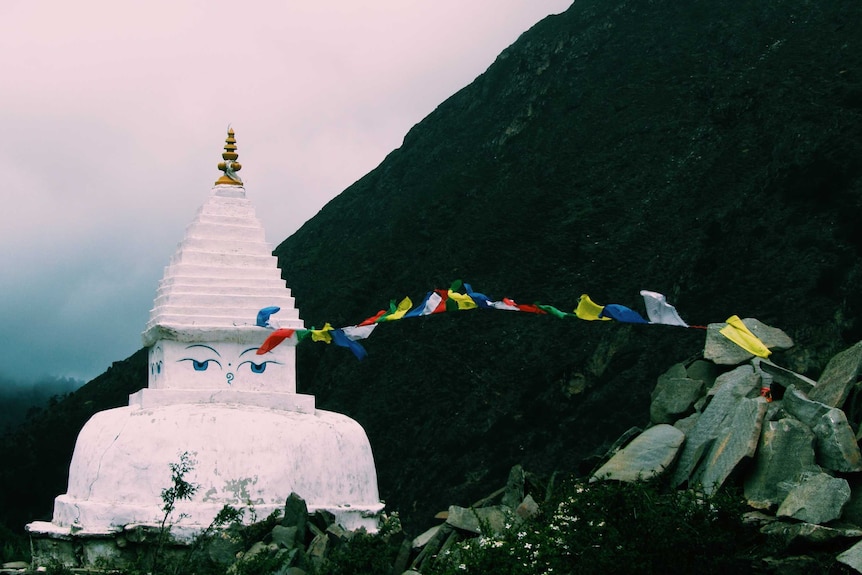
(201, 365)
(256, 367)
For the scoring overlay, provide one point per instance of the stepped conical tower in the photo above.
(251, 438)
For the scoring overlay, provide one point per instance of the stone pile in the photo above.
(786, 440)
(302, 542)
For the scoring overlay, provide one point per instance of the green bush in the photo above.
(364, 554)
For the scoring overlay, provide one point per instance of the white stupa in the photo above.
(253, 440)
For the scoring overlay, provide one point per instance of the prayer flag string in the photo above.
(461, 296)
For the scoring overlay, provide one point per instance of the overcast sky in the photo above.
(114, 116)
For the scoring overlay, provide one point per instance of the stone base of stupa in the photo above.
(250, 457)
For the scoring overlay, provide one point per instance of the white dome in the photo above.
(243, 456)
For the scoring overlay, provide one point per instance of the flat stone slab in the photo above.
(730, 389)
(735, 442)
(818, 498)
(722, 351)
(648, 455)
(836, 445)
(785, 450)
(674, 397)
(839, 377)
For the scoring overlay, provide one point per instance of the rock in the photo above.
(320, 520)
(514, 493)
(337, 534)
(795, 565)
(223, 546)
(775, 339)
(785, 450)
(796, 534)
(840, 375)
(797, 404)
(478, 520)
(686, 423)
(423, 538)
(852, 557)
(647, 456)
(295, 515)
(528, 508)
(735, 442)
(784, 377)
(318, 548)
(853, 510)
(284, 536)
(705, 371)
(818, 498)
(674, 397)
(836, 445)
(675, 371)
(722, 351)
(730, 388)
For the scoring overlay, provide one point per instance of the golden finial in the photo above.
(229, 166)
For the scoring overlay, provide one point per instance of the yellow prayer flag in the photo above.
(463, 300)
(589, 310)
(736, 332)
(399, 312)
(322, 334)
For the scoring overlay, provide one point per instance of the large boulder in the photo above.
(786, 449)
(647, 456)
(818, 498)
(839, 377)
(730, 390)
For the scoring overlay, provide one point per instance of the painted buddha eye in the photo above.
(256, 367)
(201, 365)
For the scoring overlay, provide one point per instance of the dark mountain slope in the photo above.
(711, 151)
(36, 455)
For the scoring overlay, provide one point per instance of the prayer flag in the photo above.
(506, 304)
(738, 333)
(373, 319)
(589, 310)
(480, 298)
(355, 332)
(274, 339)
(263, 315)
(419, 309)
(461, 301)
(323, 334)
(622, 314)
(659, 311)
(340, 338)
(553, 311)
(398, 312)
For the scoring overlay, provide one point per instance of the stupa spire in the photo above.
(229, 165)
